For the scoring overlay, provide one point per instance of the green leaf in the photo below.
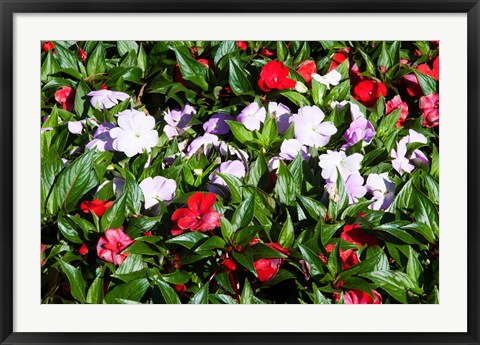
(425, 211)
(142, 248)
(96, 64)
(66, 58)
(191, 69)
(297, 98)
(287, 234)
(422, 229)
(212, 242)
(247, 294)
(133, 290)
(238, 78)
(262, 251)
(243, 215)
(414, 268)
(282, 51)
(235, 186)
(227, 229)
(68, 230)
(167, 291)
(114, 217)
(188, 240)
(245, 259)
(245, 235)
(395, 283)
(316, 265)
(201, 297)
(73, 182)
(133, 263)
(296, 169)
(354, 209)
(124, 47)
(318, 92)
(285, 187)
(327, 231)
(315, 208)
(370, 65)
(225, 48)
(75, 280)
(428, 84)
(82, 101)
(258, 174)
(240, 132)
(95, 292)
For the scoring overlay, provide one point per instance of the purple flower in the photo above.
(106, 99)
(157, 189)
(102, 140)
(217, 125)
(291, 147)
(400, 162)
(235, 168)
(77, 127)
(309, 128)
(281, 114)
(227, 149)
(355, 187)
(360, 129)
(354, 108)
(177, 120)
(382, 190)
(274, 163)
(207, 141)
(251, 116)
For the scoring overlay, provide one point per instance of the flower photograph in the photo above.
(239, 172)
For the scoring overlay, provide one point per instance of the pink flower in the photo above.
(66, 97)
(110, 247)
(359, 297)
(395, 103)
(429, 105)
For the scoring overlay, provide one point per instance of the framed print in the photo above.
(211, 173)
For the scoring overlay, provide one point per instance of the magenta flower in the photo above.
(310, 129)
(382, 190)
(251, 116)
(106, 99)
(429, 105)
(110, 247)
(281, 114)
(291, 147)
(178, 120)
(217, 125)
(102, 141)
(360, 129)
(157, 189)
(395, 103)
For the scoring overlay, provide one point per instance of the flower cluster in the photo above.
(240, 172)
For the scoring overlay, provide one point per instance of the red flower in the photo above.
(306, 70)
(229, 265)
(338, 58)
(97, 206)
(359, 297)
(110, 247)
(66, 97)
(180, 288)
(425, 69)
(46, 46)
(431, 113)
(412, 85)
(82, 55)
(368, 91)
(207, 63)
(274, 76)
(242, 45)
(349, 257)
(267, 268)
(199, 215)
(395, 103)
(83, 250)
(353, 234)
(266, 52)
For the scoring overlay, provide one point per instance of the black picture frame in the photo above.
(10, 7)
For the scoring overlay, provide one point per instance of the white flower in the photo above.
(134, 133)
(309, 128)
(106, 99)
(251, 116)
(332, 161)
(207, 141)
(157, 189)
(331, 78)
(382, 189)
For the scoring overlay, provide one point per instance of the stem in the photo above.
(233, 282)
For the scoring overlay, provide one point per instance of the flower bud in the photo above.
(229, 265)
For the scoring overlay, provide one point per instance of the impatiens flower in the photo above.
(177, 120)
(349, 257)
(229, 265)
(251, 116)
(331, 78)
(102, 141)
(217, 124)
(411, 83)
(306, 69)
(401, 163)
(82, 55)
(274, 163)
(110, 247)
(46, 46)
(83, 250)
(334, 161)
(274, 75)
(382, 191)
(354, 108)
(77, 127)
(106, 99)
(242, 45)
(360, 129)
(309, 128)
(97, 206)
(355, 187)
(337, 60)
(199, 215)
(135, 133)
(66, 97)
(353, 234)
(268, 268)
(368, 91)
(291, 147)
(395, 103)
(425, 69)
(429, 105)
(235, 168)
(359, 297)
(282, 114)
(157, 189)
(207, 141)
(228, 150)
(417, 156)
